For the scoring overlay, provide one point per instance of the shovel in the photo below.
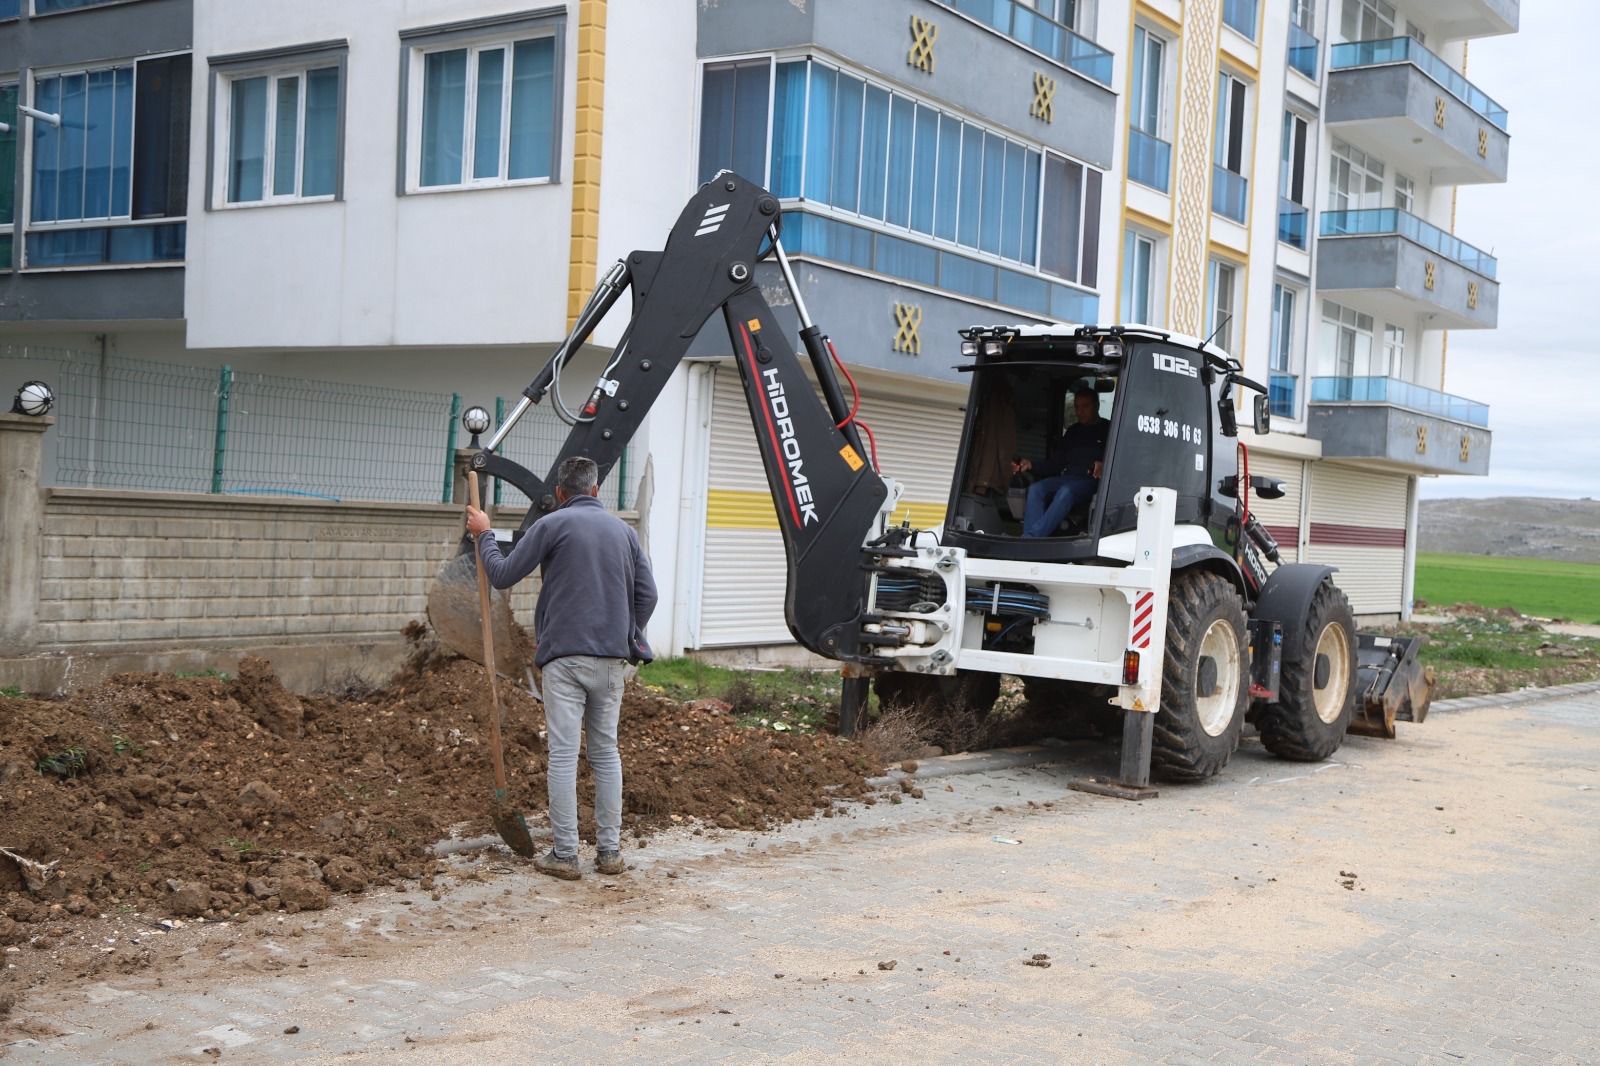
(510, 824)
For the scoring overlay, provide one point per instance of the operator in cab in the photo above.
(1070, 471)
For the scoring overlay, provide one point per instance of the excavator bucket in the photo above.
(453, 607)
(1391, 684)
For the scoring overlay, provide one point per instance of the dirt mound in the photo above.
(209, 796)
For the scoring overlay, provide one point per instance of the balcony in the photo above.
(1473, 18)
(1149, 160)
(1304, 51)
(1023, 24)
(1230, 193)
(1240, 15)
(1398, 425)
(1281, 389)
(1398, 265)
(1402, 102)
(1292, 229)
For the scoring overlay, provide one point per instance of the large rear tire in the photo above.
(940, 695)
(1309, 721)
(1205, 680)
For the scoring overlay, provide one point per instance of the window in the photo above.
(1394, 363)
(1355, 181)
(1146, 105)
(49, 7)
(840, 142)
(1220, 311)
(119, 157)
(1229, 189)
(279, 134)
(1240, 15)
(1292, 214)
(1303, 13)
(482, 111)
(1138, 278)
(10, 9)
(8, 172)
(1404, 191)
(1345, 342)
(1282, 378)
(1367, 20)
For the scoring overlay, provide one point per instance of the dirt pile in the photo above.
(204, 796)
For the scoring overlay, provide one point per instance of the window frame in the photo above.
(1132, 238)
(13, 81)
(1360, 165)
(477, 36)
(1237, 140)
(1219, 332)
(33, 11)
(1137, 91)
(24, 197)
(226, 71)
(1294, 158)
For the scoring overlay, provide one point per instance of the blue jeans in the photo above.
(1050, 499)
(583, 694)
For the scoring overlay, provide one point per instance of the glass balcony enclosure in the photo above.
(1380, 221)
(1397, 393)
(1410, 50)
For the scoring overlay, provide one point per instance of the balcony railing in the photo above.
(1229, 191)
(1149, 160)
(1241, 15)
(1021, 23)
(1399, 393)
(107, 245)
(1381, 221)
(1292, 223)
(1410, 50)
(1303, 51)
(1280, 395)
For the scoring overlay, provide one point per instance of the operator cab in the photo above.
(1156, 394)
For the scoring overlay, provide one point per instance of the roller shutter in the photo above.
(1281, 517)
(1358, 523)
(742, 589)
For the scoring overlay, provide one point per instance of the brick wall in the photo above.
(179, 568)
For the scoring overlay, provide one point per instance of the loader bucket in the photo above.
(453, 608)
(1391, 684)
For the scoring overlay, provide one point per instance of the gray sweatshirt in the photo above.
(598, 591)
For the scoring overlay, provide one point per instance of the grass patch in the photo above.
(1533, 586)
(220, 675)
(11, 692)
(776, 699)
(1474, 655)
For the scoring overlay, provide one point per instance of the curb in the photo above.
(1516, 696)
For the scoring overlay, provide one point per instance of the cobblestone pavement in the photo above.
(1433, 899)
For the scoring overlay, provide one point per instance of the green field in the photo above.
(1533, 586)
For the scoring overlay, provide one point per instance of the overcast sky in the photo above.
(1538, 370)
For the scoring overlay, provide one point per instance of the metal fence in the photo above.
(138, 424)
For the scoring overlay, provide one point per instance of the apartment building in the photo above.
(420, 196)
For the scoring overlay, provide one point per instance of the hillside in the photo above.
(1524, 527)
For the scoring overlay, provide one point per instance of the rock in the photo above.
(256, 800)
(190, 899)
(299, 868)
(262, 887)
(334, 826)
(889, 965)
(343, 874)
(10, 931)
(301, 895)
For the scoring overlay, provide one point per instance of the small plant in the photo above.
(242, 847)
(220, 675)
(66, 764)
(121, 745)
(11, 692)
(144, 866)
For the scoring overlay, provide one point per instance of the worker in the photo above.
(596, 597)
(1070, 471)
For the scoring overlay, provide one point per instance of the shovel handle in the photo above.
(488, 648)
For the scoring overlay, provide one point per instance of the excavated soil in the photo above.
(171, 797)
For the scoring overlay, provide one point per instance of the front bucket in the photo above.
(1391, 684)
(453, 609)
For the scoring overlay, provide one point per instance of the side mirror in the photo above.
(1225, 415)
(1263, 416)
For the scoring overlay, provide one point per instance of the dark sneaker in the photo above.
(556, 866)
(609, 862)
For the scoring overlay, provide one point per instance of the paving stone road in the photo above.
(1432, 899)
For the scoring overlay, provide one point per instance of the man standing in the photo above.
(597, 595)
(1070, 471)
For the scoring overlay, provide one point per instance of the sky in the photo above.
(1537, 371)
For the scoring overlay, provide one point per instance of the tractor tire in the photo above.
(938, 695)
(1083, 709)
(1308, 722)
(1196, 733)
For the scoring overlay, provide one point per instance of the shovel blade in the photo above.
(453, 609)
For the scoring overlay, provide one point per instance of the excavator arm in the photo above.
(826, 494)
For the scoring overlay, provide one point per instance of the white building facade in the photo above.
(418, 197)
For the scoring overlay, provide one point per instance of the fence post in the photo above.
(21, 526)
(220, 448)
(499, 418)
(450, 449)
